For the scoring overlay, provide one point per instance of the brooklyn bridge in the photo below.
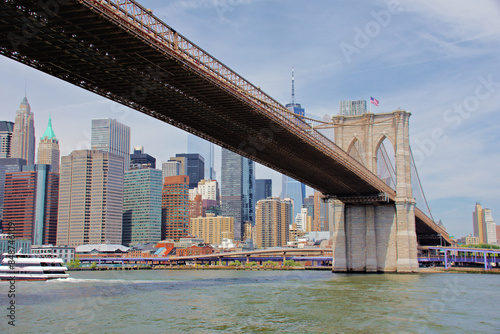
(120, 50)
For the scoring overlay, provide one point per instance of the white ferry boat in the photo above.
(31, 267)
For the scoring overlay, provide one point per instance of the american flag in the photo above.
(374, 101)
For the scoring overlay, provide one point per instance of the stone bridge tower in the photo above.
(371, 236)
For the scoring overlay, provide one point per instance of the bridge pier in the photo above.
(371, 238)
(337, 226)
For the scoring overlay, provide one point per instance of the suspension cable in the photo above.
(420, 185)
(388, 163)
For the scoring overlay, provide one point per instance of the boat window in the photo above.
(53, 272)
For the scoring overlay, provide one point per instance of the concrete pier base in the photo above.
(374, 238)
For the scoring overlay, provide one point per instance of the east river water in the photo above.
(243, 301)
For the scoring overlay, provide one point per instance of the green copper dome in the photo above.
(49, 132)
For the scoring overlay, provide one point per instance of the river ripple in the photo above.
(229, 301)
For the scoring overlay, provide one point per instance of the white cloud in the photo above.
(465, 19)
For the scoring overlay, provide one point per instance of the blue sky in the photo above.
(440, 60)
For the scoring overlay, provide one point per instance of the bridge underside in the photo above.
(428, 232)
(89, 50)
(98, 51)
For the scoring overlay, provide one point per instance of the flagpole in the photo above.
(370, 105)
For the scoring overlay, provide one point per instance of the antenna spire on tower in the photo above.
(293, 87)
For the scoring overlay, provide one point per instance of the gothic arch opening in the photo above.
(357, 151)
(386, 161)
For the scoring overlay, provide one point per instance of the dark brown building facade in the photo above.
(30, 204)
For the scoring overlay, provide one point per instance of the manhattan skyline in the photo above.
(439, 61)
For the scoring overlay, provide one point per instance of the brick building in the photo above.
(175, 207)
(194, 250)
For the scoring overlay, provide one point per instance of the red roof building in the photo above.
(195, 250)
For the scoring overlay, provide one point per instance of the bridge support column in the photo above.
(337, 226)
(405, 203)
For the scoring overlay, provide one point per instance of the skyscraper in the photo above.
(321, 222)
(291, 188)
(295, 107)
(170, 168)
(6, 131)
(141, 206)
(231, 189)
(183, 167)
(309, 205)
(479, 225)
(8, 165)
(272, 222)
(248, 190)
(175, 207)
(30, 203)
(195, 168)
(140, 159)
(91, 198)
(23, 137)
(301, 220)
(206, 150)
(209, 190)
(212, 229)
(48, 148)
(237, 189)
(210, 195)
(491, 233)
(263, 189)
(195, 207)
(295, 190)
(352, 108)
(109, 135)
